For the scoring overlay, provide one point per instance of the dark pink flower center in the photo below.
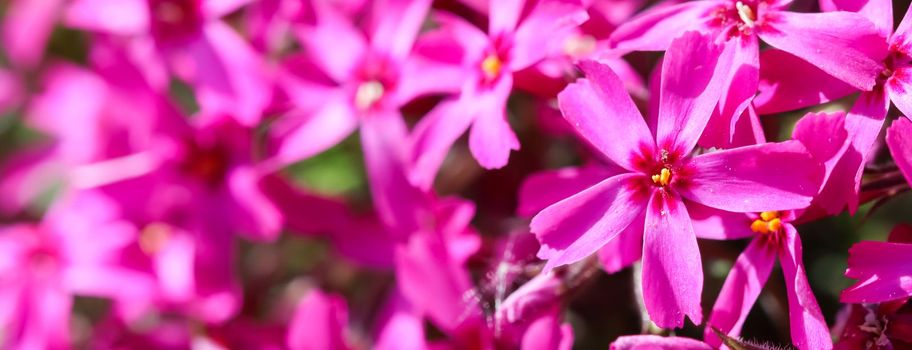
(376, 77)
(206, 164)
(896, 61)
(739, 17)
(175, 20)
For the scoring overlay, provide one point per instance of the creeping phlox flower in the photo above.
(662, 177)
(883, 269)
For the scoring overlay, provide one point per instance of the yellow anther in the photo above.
(774, 225)
(663, 178)
(491, 66)
(759, 226)
(769, 215)
(745, 13)
(368, 94)
(154, 237)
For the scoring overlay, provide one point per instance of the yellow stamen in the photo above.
(368, 94)
(774, 225)
(759, 226)
(746, 14)
(663, 178)
(491, 66)
(154, 237)
(769, 215)
(580, 45)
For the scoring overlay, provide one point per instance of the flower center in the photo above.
(663, 178)
(154, 237)
(491, 67)
(174, 20)
(768, 222)
(579, 45)
(368, 94)
(746, 14)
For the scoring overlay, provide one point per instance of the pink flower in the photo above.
(661, 176)
(319, 323)
(228, 76)
(514, 41)
(899, 140)
(843, 45)
(74, 251)
(774, 237)
(791, 83)
(882, 269)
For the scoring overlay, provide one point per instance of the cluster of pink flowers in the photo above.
(161, 138)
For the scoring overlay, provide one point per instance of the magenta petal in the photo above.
(657, 27)
(879, 12)
(397, 24)
(597, 107)
(625, 249)
(229, 75)
(538, 28)
(491, 138)
(26, 28)
(319, 322)
(655, 342)
(385, 159)
(335, 45)
(809, 329)
(825, 136)
(899, 140)
(772, 176)
(711, 223)
(845, 45)
(548, 333)
(899, 86)
(255, 215)
(318, 132)
(740, 291)
(863, 123)
(740, 86)
(902, 30)
(883, 271)
(122, 17)
(672, 269)
(692, 81)
(788, 83)
(576, 227)
(432, 139)
(542, 189)
(504, 15)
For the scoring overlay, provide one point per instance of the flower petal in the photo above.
(491, 138)
(542, 189)
(625, 249)
(809, 329)
(655, 28)
(883, 271)
(788, 83)
(432, 139)
(740, 291)
(655, 342)
(740, 86)
(317, 132)
(772, 176)
(899, 140)
(843, 44)
(672, 269)
(504, 15)
(597, 107)
(692, 80)
(711, 223)
(879, 12)
(537, 28)
(396, 24)
(26, 29)
(825, 136)
(576, 227)
(122, 17)
(319, 322)
(334, 44)
(863, 123)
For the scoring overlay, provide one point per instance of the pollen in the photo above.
(491, 66)
(663, 178)
(746, 14)
(154, 237)
(768, 222)
(368, 94)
